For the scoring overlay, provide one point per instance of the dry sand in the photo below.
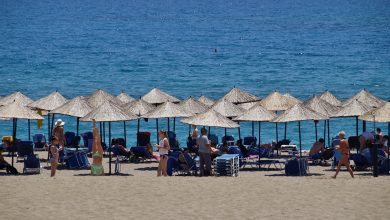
(138, 194)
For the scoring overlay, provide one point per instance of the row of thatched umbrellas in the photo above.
(234, 107)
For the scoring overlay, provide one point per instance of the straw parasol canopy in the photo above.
(330, 98)
(50, 102)
(367, 98)
(109, 112)
(256, 113)
(16, 110)
(237, 95)
(99, 97)
(193, 107)
(353, 109)
(248, 105)
(167, 110)
(227, 108)
(276, 102)
(17, 97)
(211, 118)
(77, 107)
(381, 114)
(125, 98)
(321, 106)
(138, 107)
(292, 100)
(299, 113)
(207, 101)
(156, 96)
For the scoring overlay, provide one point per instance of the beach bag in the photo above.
(292, 168)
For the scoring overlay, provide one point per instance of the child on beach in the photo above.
(163, 149)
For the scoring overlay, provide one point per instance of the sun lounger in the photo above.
(250, 141)
(39, 142)
(140, 154)
(24, 148)
(227, 165)
(32, 164)
(228, 139)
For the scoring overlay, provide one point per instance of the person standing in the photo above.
(163, 149)
(55, 147)
(344, 149)
(58, 131)
(204, 147)
(97, 152)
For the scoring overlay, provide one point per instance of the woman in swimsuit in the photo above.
(163, 149)
(97, 153)
(344, 149)
(55, 147)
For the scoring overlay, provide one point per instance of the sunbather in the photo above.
(344, 148)
(243, 149)
(97, 153)
(123, 150)
(317, 149)
(55, 147)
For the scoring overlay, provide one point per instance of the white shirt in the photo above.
(161, 150)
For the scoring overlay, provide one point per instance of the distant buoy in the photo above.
(215, 50)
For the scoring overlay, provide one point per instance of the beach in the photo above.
(138, 194)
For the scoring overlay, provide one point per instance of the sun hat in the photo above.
(59, 122)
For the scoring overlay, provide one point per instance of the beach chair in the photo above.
(143, 138)
(213, 139)
(69, 139)
(227, 165)
(32, 164)
(39, 142)
(173, 142)
(250, 141)
(140, 154)
(24, 148)
(87, 140)
(191, 145)
(353, 142)
(186, 165)
(229, 139)
(76, 159)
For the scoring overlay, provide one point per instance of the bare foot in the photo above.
(333, 177)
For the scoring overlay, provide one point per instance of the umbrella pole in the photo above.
(315, 125)
(225, 133)
(48, 127)
(388, 144)
(14, 122)
(239, 131)
(300, 139)
(325, 133)
(138, 122)
(109, 147)
(101, 132)
(253, 128)
(168, 123)
(29, 129)
(209, 133)
(104, 133)
(174, 125)
(328, 124)
(189, 130)
(285, 130)
(276, 129)
(52, 122)
(124, 132)
(259, 144)
(365, 125)
(157, 129)
(77, 126)
(357, 126)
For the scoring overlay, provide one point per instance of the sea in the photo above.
(193, 48)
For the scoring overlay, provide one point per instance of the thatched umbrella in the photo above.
(355, 109)
(292, 100)
(99, 97)
(367, 98)
(228, 110)
(109, 112)
(139, 107)
(277, 102)
(77, 107)
(49, 103)
(207, 101)
(236, 95)
(299, 113)
(247, 105)
(210, 118)
(193, 107)
(167, 110)
(323, 107)
(17, 97)
(329, 97)
(156, 96)
(125, 98)
(17, 111)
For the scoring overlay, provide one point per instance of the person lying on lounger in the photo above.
(123, 150)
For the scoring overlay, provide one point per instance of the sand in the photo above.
(139, 194)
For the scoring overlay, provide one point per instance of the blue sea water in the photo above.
(298, 46)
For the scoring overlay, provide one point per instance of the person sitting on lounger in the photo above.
(155, 155)
(243, 149)
(317, 149)
(97, 153)
(122, 150)
(4, 164)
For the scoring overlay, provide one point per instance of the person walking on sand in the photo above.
(55, 147)
(97, 152)
(163, 149)
(204, 153)
(58, 131)
(344, 149)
